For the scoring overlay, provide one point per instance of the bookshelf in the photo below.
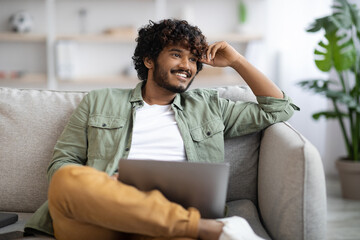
(49, 38)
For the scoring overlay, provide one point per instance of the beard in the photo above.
(162, 79)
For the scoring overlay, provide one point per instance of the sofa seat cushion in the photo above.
(242, 208)
(246, 209)
(19, 226)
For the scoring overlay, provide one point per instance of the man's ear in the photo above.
(149, 63)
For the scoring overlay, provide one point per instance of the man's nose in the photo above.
(185, 63)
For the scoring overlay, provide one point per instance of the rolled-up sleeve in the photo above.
(242, 118)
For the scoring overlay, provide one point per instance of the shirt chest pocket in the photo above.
(103, 135)
(104, 122)
(209, 140)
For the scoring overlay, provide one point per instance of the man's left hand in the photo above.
(221, 54)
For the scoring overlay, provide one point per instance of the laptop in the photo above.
(199, 185)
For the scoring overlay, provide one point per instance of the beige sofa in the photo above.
(276, 179)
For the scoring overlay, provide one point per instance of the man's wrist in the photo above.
(238, 63)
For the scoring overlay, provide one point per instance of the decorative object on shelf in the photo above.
(66, 59)
(6, 75)
(242, 13)
(21, 22)
(340, 51)
(122, 31)
(82, 20)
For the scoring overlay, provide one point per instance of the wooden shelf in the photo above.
(130, 38)
(21, 37)
(100, 38)
(236, 37)
(31, 80)
(28, 77)
(90, 83)
(115, 38)
(99, 79)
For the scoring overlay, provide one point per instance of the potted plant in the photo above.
(242, 14)
(339, 52)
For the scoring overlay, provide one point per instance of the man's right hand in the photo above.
(115, 176)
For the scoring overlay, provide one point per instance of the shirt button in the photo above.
(127, 149)
(208, 133)
(104, 125)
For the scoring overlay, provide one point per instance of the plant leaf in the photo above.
(317, 85)
(342, 57)
(346, 15)
(342, 16)
(327, 115)
(357, 60)
(242, 12)
(319, 23)
(357, 109)
(349, 101)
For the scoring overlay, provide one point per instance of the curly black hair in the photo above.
(155, 36)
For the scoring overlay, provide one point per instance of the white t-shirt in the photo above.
(156, 135)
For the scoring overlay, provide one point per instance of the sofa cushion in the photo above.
(246, 209)
(19, 226)
(30, 123)
(243, 208)
(292, 193)
(243, 153)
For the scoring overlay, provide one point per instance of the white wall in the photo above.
(293, 47)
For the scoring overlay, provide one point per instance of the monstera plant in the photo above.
(339, 52)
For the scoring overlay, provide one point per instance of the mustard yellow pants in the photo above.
(85, 203)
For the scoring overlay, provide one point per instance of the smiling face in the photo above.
(174, 69)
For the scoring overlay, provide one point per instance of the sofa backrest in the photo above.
(30, 123)
(32, 120)
(242, 152)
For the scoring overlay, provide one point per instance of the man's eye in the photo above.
(193, 59)
(176, 55)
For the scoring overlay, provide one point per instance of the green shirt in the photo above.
(99, 131)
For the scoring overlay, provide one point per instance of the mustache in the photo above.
(188, 73)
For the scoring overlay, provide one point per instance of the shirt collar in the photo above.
(136, 93)
(177, 101)
(136, 96)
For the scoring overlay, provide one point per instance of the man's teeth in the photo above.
(181, 75)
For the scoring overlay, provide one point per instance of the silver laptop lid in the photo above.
(199, 185)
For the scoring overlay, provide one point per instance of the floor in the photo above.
(343, 215)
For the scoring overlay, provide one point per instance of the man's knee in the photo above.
(64, 180)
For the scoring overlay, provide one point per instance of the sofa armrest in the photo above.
(291, 185)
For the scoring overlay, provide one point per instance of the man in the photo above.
(156, 120)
